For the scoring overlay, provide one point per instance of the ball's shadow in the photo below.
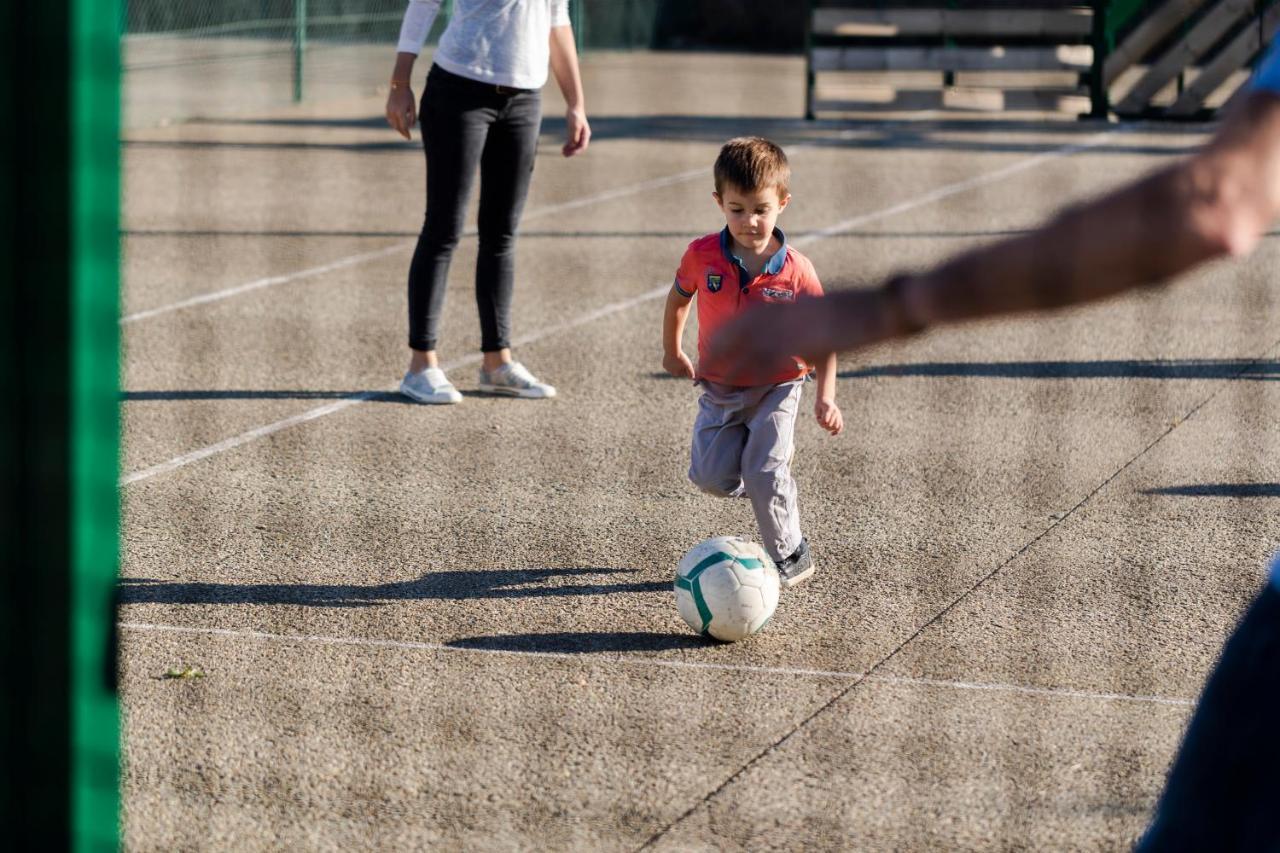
(581, 642)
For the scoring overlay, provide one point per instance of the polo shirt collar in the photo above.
(774, 264)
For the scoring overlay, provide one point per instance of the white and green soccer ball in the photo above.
(727, 588)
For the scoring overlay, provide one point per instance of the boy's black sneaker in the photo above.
(797, 567)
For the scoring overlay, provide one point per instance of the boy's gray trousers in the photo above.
(743, 439)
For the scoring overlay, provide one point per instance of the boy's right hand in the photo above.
(678, 364)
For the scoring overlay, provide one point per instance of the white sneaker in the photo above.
(515, 380)
(429, 386)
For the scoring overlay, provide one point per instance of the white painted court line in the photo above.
(246, 437)
(355, 399)
(622, 305)
(259, 284)
(1059, 692)
(598, 659)
(609, 195)
(404, 246)
(959, 187)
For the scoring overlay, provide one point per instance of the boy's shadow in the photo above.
(458, 585)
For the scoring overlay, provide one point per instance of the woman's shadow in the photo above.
(441, 586)
(458, 585)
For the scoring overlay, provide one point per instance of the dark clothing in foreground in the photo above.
(1222, 793)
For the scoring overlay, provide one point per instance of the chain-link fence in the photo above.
(211, 59)
(216, 58)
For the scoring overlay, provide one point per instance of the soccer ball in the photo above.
(727, 588)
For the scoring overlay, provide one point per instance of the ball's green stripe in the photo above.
(696, 588)
(703, 610)
(720, 556)
(690, 581)
(707, 563)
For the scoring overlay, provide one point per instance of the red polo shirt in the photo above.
(724, 289)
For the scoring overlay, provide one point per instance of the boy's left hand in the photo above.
(829, 416)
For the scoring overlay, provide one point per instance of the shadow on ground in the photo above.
(245, 394)
(1192, 368)
(1220, 490)
(581, 642)
(449, 586)
(988, 136)
(979, 135)
(588, 235)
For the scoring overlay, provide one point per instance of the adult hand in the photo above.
(679, 365)
(401, 110)
(577, 132)
(811, 329)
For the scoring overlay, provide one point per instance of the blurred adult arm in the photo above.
(564, 67)
(1215, 203)
(402, 110)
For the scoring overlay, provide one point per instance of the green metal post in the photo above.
(575, 19)
(949, 74)
(1118, 14)
(299, 46)
(1103, 40)
(59, 726)
(94, 415)
(810, 78)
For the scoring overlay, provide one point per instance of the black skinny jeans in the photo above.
(468, 124)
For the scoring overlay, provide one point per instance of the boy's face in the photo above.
(751, 215)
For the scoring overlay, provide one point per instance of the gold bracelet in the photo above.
(395, 84)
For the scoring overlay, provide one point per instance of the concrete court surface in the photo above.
(452, 628)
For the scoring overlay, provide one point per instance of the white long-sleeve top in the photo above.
(504, 42)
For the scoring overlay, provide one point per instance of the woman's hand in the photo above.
(402, 112)
(577, 132)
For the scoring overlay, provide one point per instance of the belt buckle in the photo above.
(504, 90)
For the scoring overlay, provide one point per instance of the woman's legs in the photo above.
(506, 167)
(455, 123)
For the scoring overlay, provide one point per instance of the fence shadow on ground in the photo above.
(248, 394)
(581, 642)
(1219, 490)
(1191, 368)
(602, 234)
(459, 585)
(979, 135)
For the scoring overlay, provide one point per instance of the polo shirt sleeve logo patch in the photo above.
(714, 282)
(775, 293)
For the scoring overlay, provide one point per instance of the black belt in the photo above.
(480, 85)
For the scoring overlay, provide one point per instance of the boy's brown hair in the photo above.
(752, 163)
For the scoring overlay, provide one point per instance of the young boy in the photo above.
(743, 436)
